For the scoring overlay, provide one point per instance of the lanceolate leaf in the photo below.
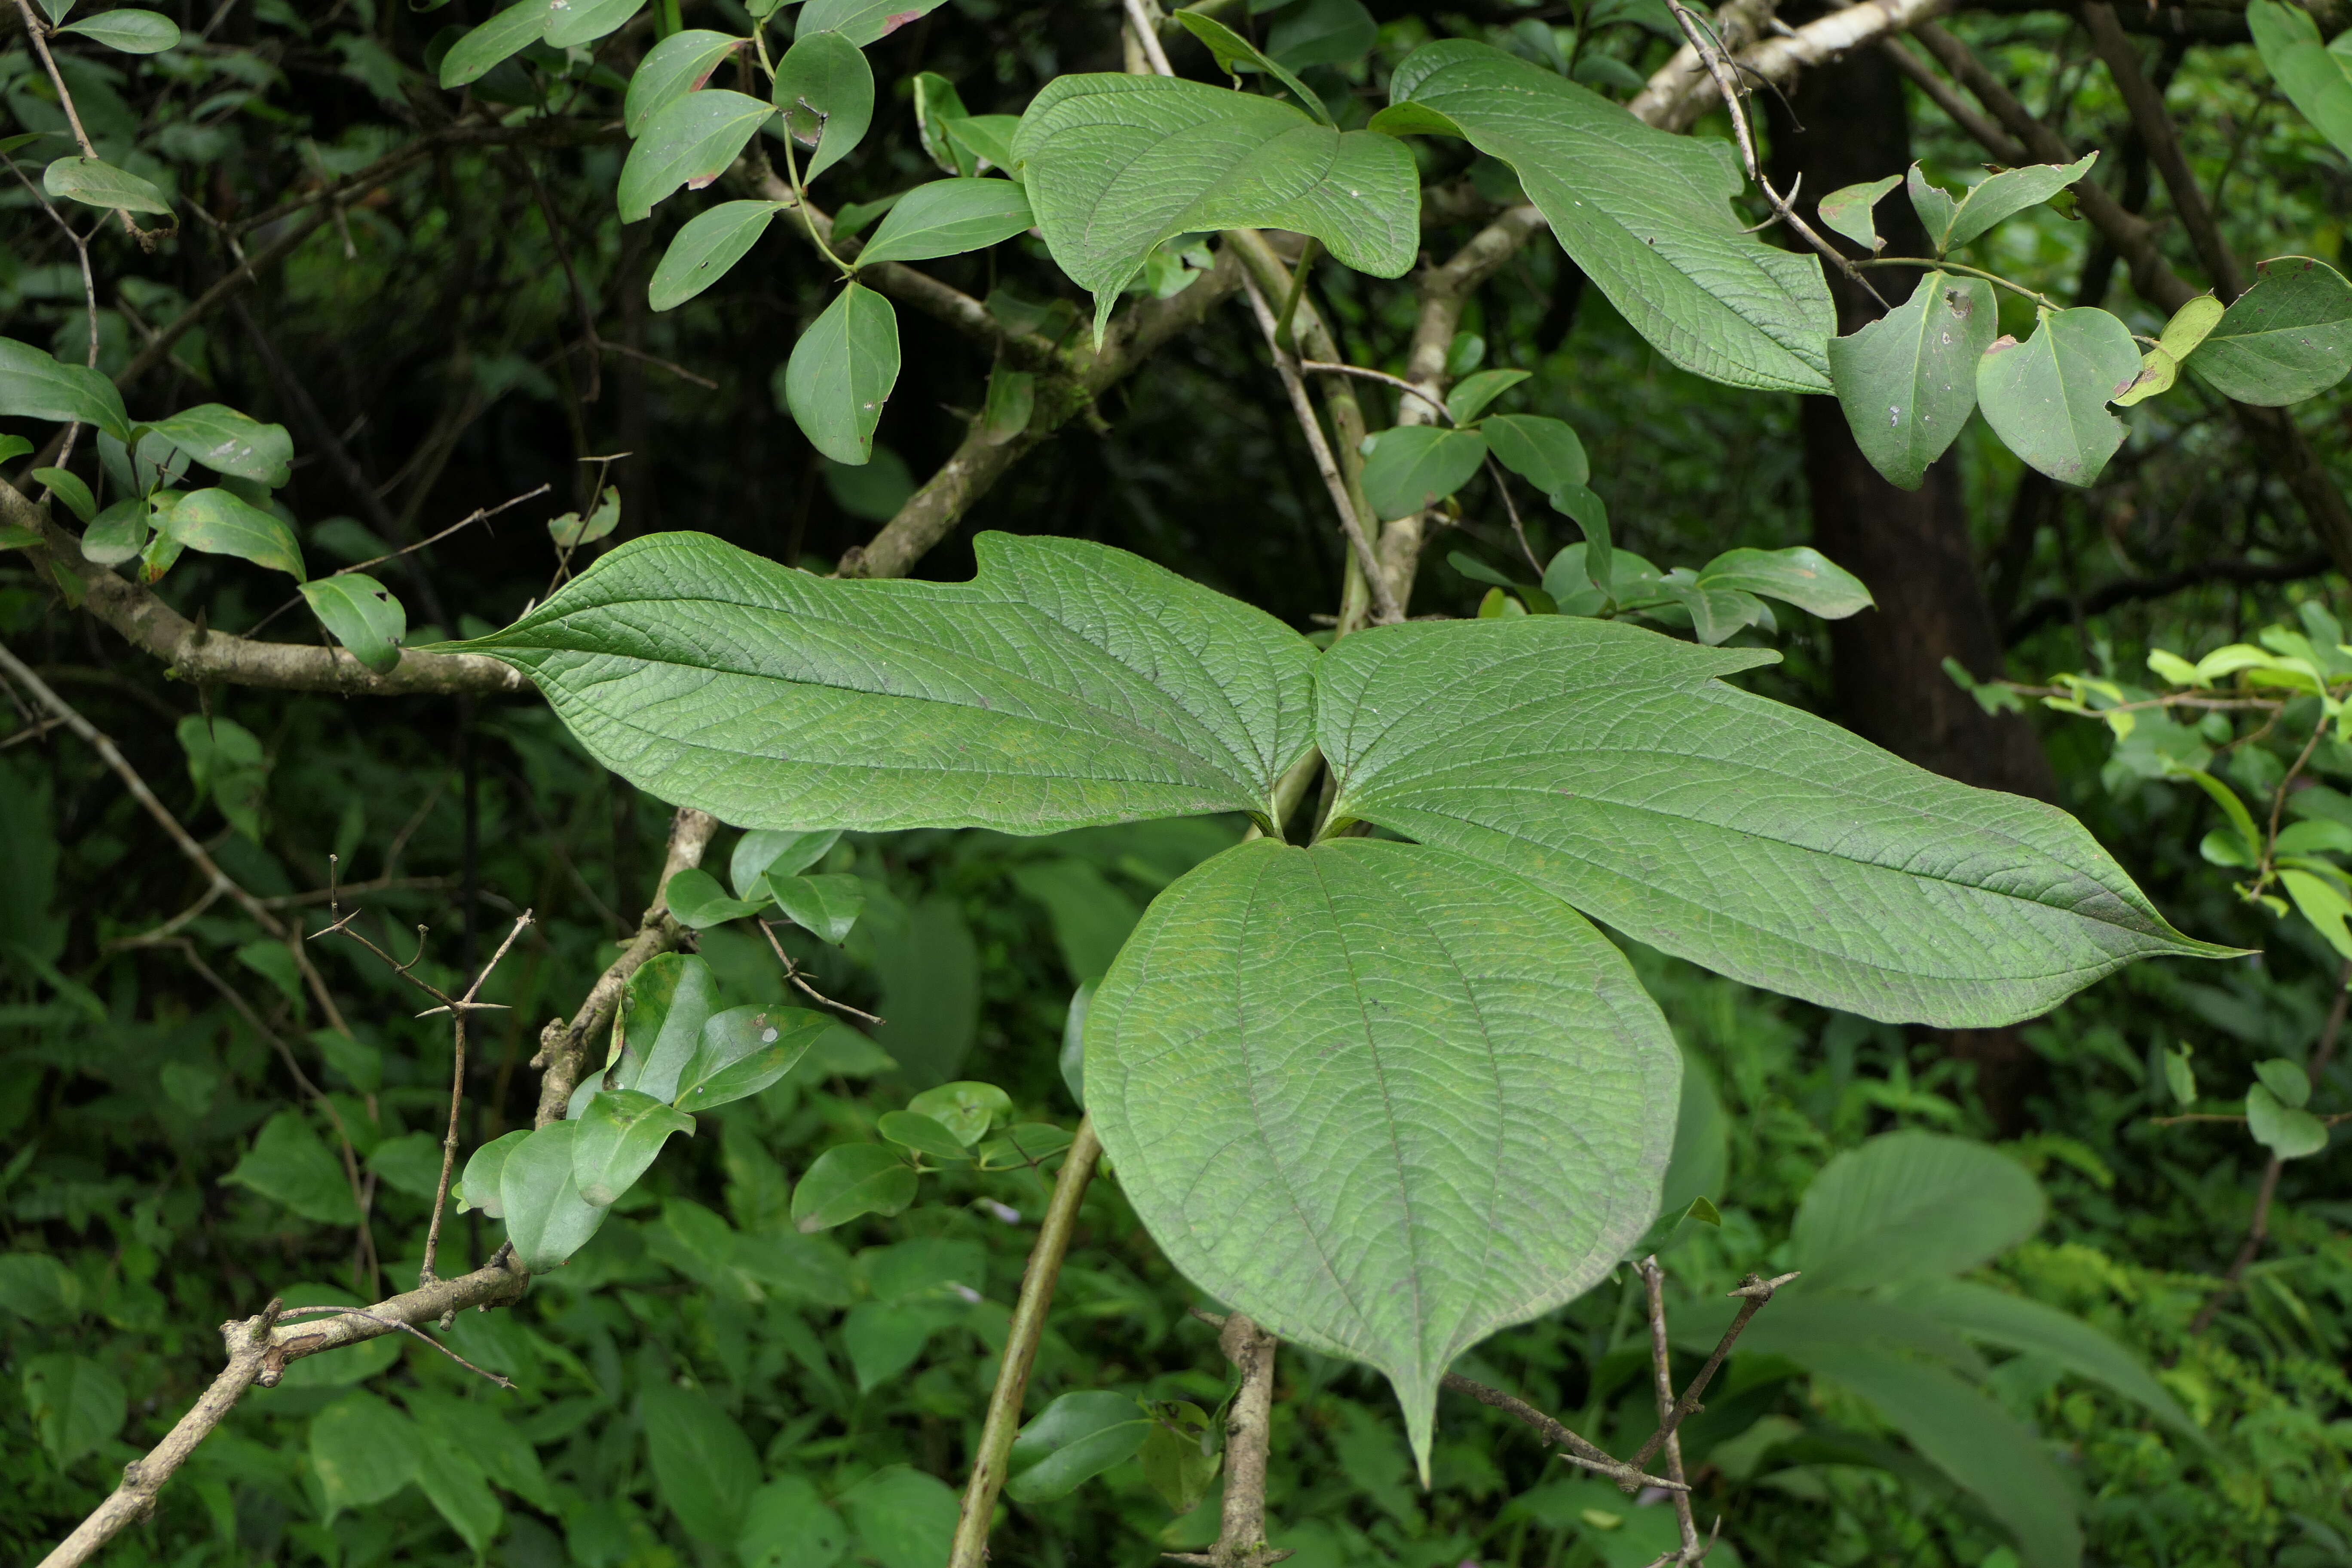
(504, 35)
(586, 21)
(947, 217)
(133, 32)
(2009, 191)
(1646, 215)
(1416, 465)
(1068, 684)
(2315, 79)
(825, 88)
(1383, 1098)
(34, 385)
(1608, 764)
(1908, 381)
(229, 442)
(841, 372)
(745, 1049)
(710, 243)
(2047, 397)
(1800, 575)
(862, 22)
(220, 523)
(688, 141)
(1115, 164)
(101, 184)
(672, 68)
(2287, 338)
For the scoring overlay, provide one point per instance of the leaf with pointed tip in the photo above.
(1473, 393)
(825, 907)
(2287, 338)
(1646, 215)
(688, 141)
(621, 1133)
(841, 372)
(1852, 211)
(1934, 204)
(132, 32)
(34, 385)
(99, 183)
(1072, 1440)
(852, 1180)
(698, 901)
(68, 488)
(547, 1219)
(2047, 397)
(1235, 53)
(2006, 194)
(1381, 1098)
(2315, 79)
(1800, 575)
(229, 442)
(1544, 451)
(825, 88)
(706, 247)
(672, 68)
(913, 1129)
(862, 22)
(571, 23)
(745, 1049)
(1414, 466)
(221, 523)
(1611, 767)
(949, 217)
(364, 616)
(1115, 164)
(479, 1186)
(501, 37)
(1907, 381)
(765, 851)
(1068, 685)
(668, 1000)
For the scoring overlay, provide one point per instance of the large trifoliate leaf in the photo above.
(1646, 215)
(1607, 764)
(1066, 685)
(1383, 1098)
(1115, 164)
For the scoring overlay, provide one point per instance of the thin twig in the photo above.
(457, 1012)
(1577, 1450)
(33, 30)
(1386, 611)
(1147, 34)
(1519, 526)
(607, 345)
(477, 515)
(501, 1380)
(1654, 1282)
(793, 973)
(1754, 1292)
(1003, 1420)
(1327, 367)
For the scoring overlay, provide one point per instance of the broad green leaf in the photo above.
(1852, 211)
(1067, 686)
(220, 523)
(547, 1219)
(1820, 1322)
(767, 852)
(949, 217)
(1471, 395)
(38, 1289)
(788, 1524)
(825, 88)
(459, 1492)
(1608, 764)
(1382, 1098)
(409, 1163)
(1908, 380)
(912, 1130)
(2006, 194)
(904, 1518)
(2285, 1079)
(131, 31)
(745, 1049)
(1964, 1433)
(1646, 215)
(620, 1135)
(672, 68)
(231, 443)
(68, 488)
(1621, 576)
(37, 386)
(1235, 53)
(669, 999)
(1800, 575)
(501, 37)
(2316, 79)
(364, 616)
(479, 1186)
(885, 1338)
(688, 141)
(1072, 1440)
(2017, 1324)
(1545, 452)
(574, 22)
(694, 897)
(2287, 338)
(849, 1181)
(1716, 612)
(101, 184)
(710, 243)
(967, 1110)
(862, 22)
(1414, 466)
(2286, 1131)
(841, 372)
(363, 1451)
(825, 907)
(2190, 326)
(2047, 397)
(1907, 1205)
(1173, 1461)
(289, 1164)
(988, 137)
(1323, 33)
(77, 1404)
(703, 1465)
(1115, 164)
